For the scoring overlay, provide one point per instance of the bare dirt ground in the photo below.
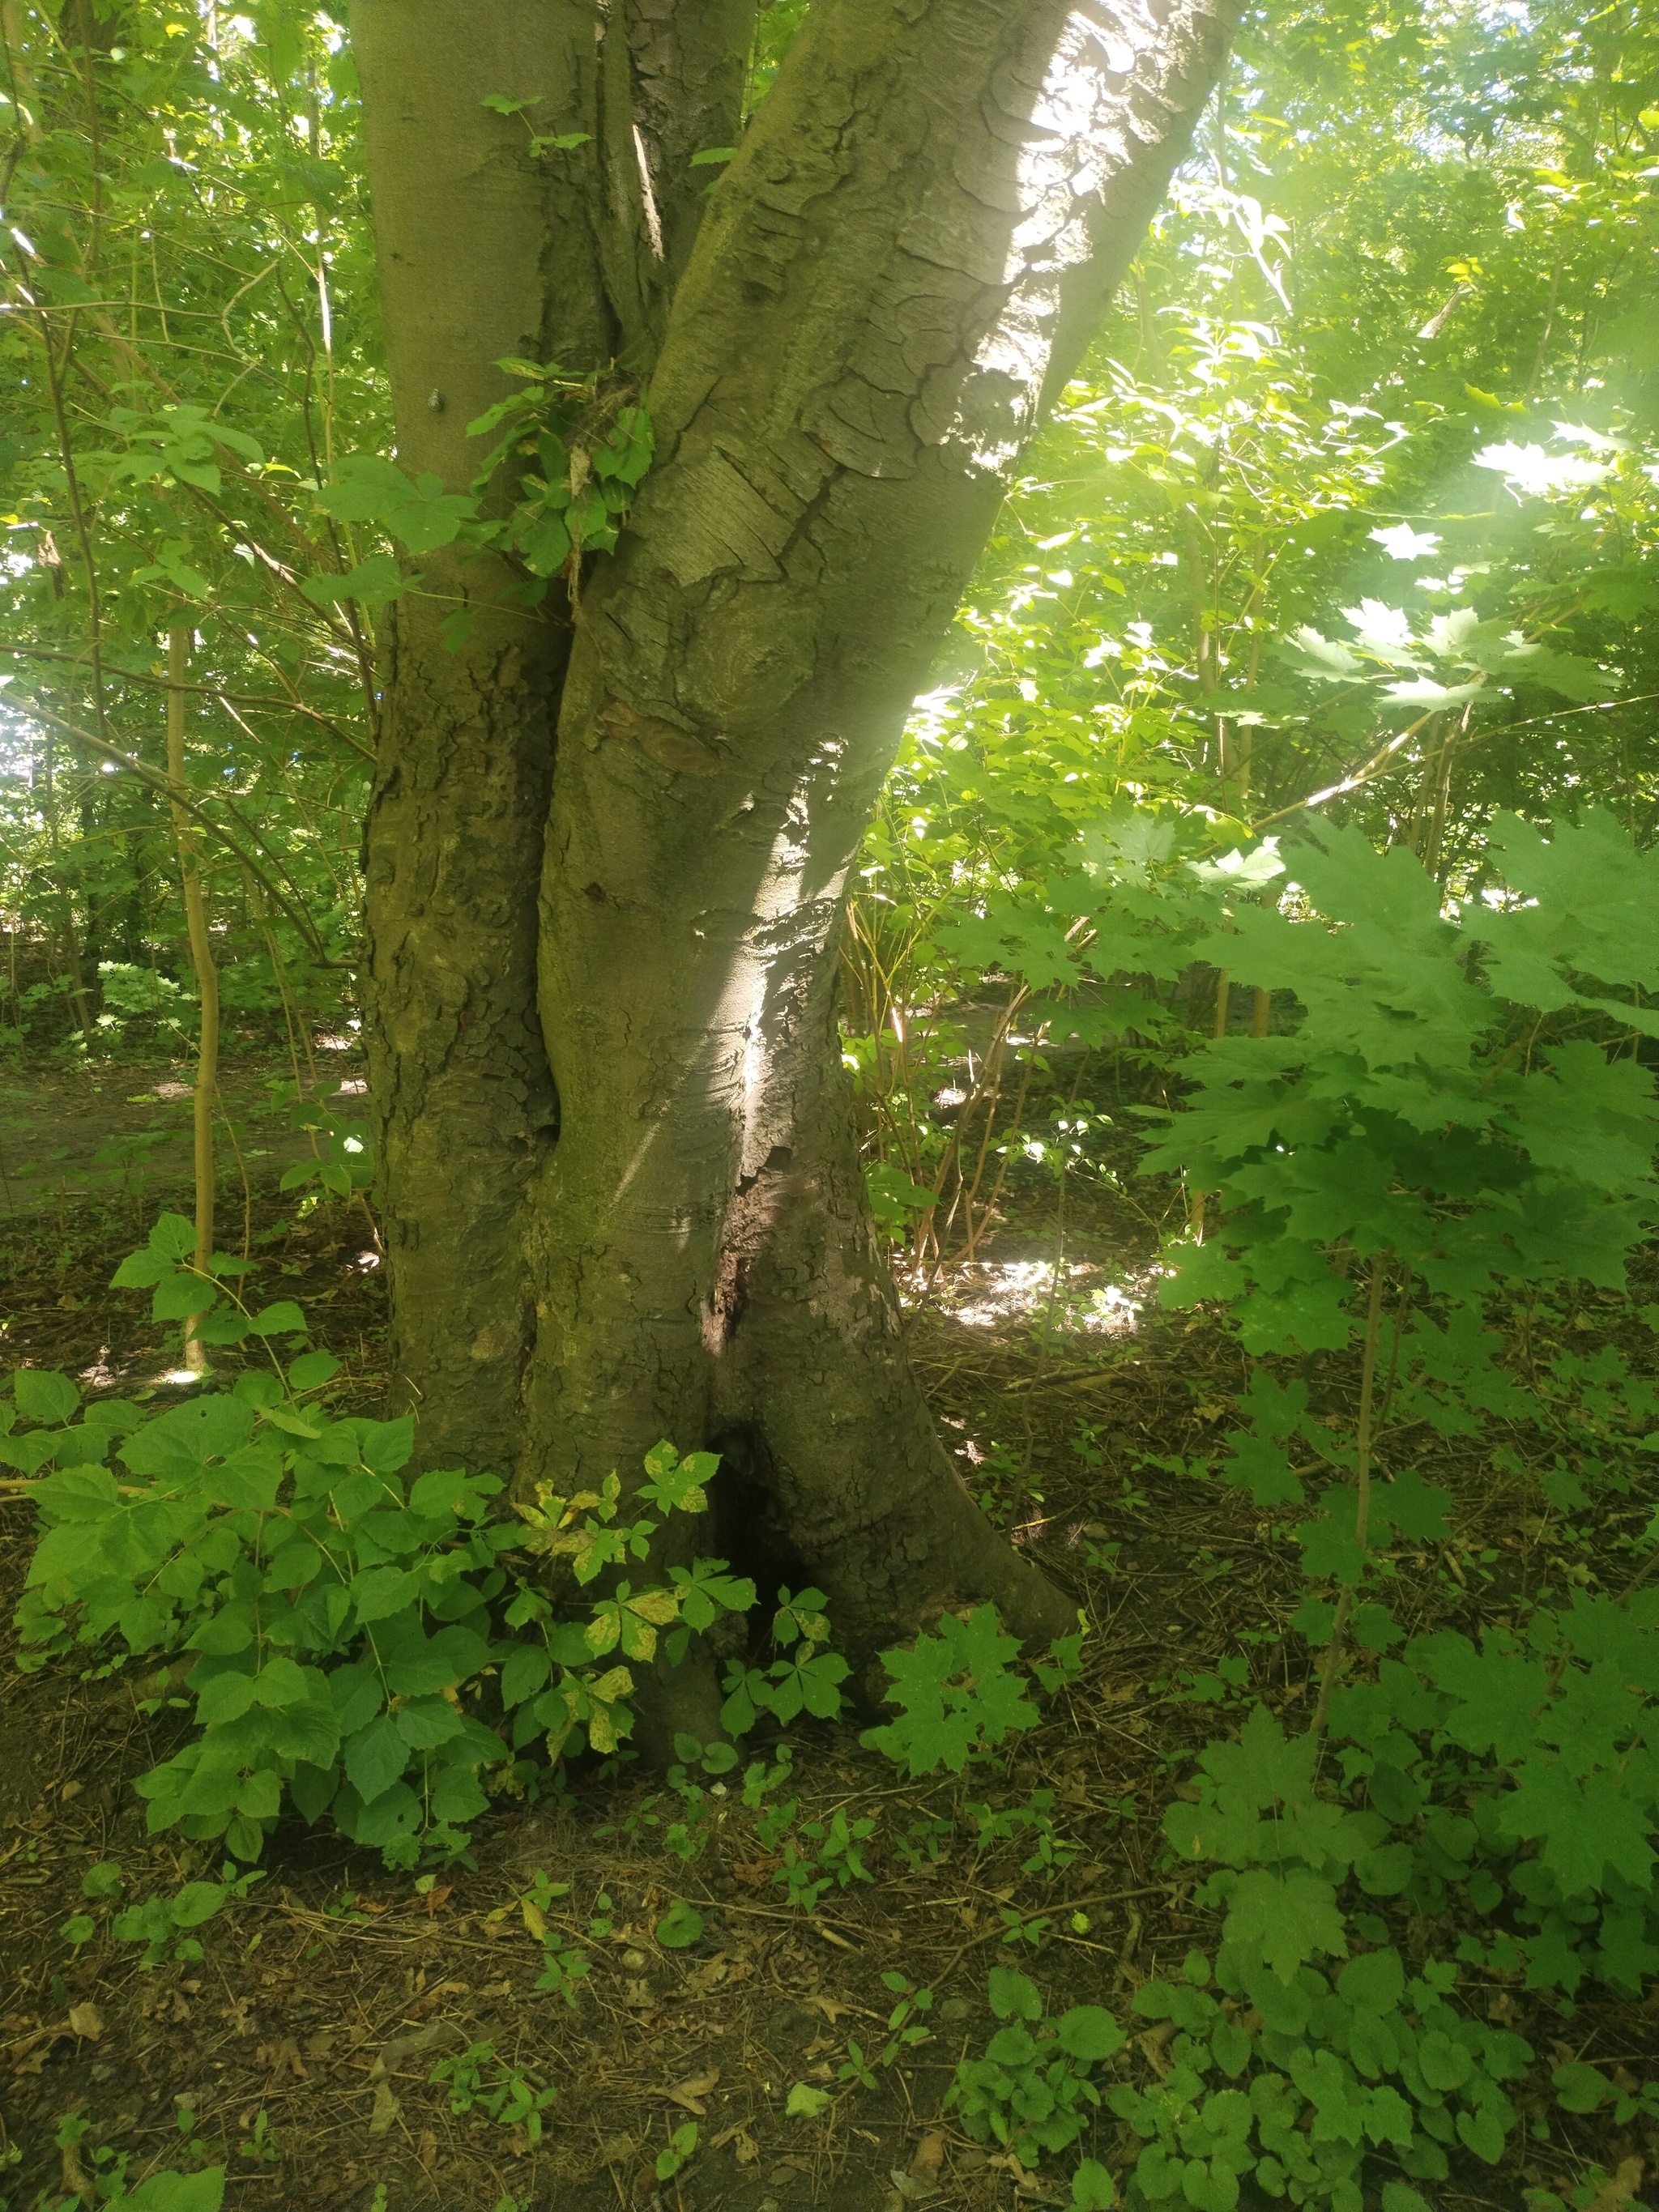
(297, 2051)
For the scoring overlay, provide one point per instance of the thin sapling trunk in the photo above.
(187, 838)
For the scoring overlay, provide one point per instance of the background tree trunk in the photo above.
(893, 280)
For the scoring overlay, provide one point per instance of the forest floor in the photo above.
(298, 2049)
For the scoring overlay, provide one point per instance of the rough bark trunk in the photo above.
(892, 281)
(486, 250)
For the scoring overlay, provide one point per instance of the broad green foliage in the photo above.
(186, 339)
(1408, 1098)
(477, 2080)
(1343, 2056)
(166, 2190)
(959, 1695)
(806, 1679)
(1455, 1116)
(1030, 2093)
(572, 453)
(1420, 1143)
(333, 1621)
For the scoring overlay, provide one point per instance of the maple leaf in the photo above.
(1262, 1766)
(1288, 1918)
(956, 1693)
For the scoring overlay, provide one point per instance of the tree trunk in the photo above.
(486, 250)
(893, 280)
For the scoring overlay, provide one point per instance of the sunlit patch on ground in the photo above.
(1088, 1297)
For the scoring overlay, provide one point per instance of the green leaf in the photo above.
(957, 1692)
(179, 1295)
(1400, 2197)
(679, 1927)
(1263, 1767)
(290, 1423)
(197, 1903)
(312, 1369)
(282, 1319)
(374, 1758)
(425, 1722)
(1014, 1996)
(1089, 2033)
(141, 1271)
(179, 2192)
(804, 2102)
(1092, 2188)
(250, 1477)
(1374, 1982)
(225, 1698)
(173, 1237)
(1445, 2064)
(525, 1669)
(179, 1444)
(373, 582)
(1288, 1918)
(1580, 2089)
(1482, 2132)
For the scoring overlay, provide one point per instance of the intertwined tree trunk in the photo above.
(610, 844)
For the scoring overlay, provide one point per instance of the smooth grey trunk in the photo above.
(890, 284)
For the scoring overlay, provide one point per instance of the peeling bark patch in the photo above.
(726, 1301)
(673, 747)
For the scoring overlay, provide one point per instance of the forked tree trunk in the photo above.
(891, 283)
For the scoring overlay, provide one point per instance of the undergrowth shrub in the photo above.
(1457, 1131)
(329, 1621)
(387, 1650)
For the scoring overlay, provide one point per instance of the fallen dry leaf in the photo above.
(74, 2174)
(744, 2148)
(1151, 2046)
(928, 2156)
(426, 2151)
(1619, 2189)
(432, 2037)
(86, 2020)
(35, 2050)
(754, 1872)
(436, 1994)
(833, 2008)
(282, 2058)
(392, 2056)
(437, 1899)
(690, 2094)
(534, 1918)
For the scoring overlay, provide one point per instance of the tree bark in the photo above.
(892, 282)
(486, 250)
